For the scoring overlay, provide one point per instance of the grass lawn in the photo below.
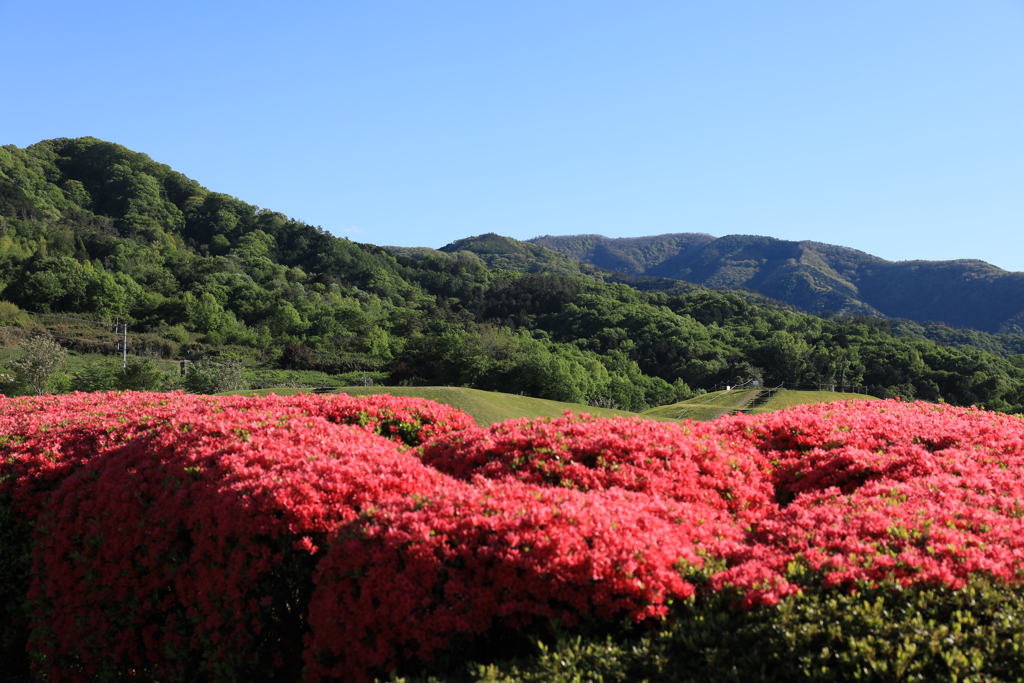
(486, 407)
(718, 403)
(789, 397)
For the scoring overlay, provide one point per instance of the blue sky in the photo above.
(893, 127)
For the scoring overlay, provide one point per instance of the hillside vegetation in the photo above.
(817, 277)
(92, 230)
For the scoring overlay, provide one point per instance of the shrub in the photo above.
(688, 463)
(184, 536)
(12, 315)
(43, 441)
(919, 493)
(188, 551)
(888, 633)
(137, 374)
(214, 377)
(407, 420)
(40, 359)
(403, 584)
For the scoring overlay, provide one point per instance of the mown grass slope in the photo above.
(718, 403)
(788, 397)
(488, 407)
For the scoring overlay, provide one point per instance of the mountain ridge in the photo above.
(817, 277)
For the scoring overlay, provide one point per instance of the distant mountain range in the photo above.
(816, 277)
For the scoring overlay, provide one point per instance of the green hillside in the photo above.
(787, 397)
(92, 234)
(719, 403)
(634, 255)
(486, 407)
(817, 277)
(505, 253)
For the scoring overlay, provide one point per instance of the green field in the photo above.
(488, 407)
(787, 397)
(718, 403)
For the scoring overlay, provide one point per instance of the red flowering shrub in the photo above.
(845, 445)
(216, 537)
(188, 551)
(45, 440)
(407, 420)
(693, 463)
(406, 582)
(915, 492)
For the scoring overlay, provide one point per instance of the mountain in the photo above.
(504, 253)
(817, 277)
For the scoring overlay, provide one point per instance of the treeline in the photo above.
(90, 227)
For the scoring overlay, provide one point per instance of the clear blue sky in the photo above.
(892, 126)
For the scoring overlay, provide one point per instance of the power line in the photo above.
(105, 323)
(121, 345)
(81, 340)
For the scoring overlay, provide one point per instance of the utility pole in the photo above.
(123, 345)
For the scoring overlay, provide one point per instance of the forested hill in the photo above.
(818, 277)
(496, 251)
(92, 229)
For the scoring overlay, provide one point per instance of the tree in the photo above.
(214, 377)
(204, 314)
(297, 357)
(138, 374)
(42, 358)
(784, 357)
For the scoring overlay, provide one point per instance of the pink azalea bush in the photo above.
(97, 463)
(44, 439)
(407, 583)
(924, 494)
(184, 551)
(215, 537)
(693, 463)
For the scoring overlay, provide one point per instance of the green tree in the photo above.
(286, 321)
(204, 314)
(109, 374)
(378, 342)
(784, 357)
(42, 357)
(95, 376)
(141, 374)
(105, 295)
(214, 377)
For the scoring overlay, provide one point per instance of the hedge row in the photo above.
(183, 538)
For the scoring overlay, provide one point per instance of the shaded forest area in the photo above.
(91, 228)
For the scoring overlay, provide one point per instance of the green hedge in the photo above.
(883, 634)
